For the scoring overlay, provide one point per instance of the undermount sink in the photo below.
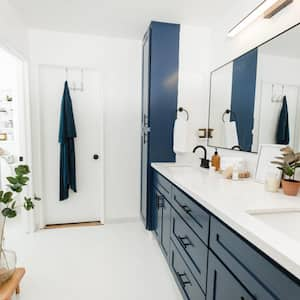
(285, 221)
(183, 170)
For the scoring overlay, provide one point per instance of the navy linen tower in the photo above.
(67, 133)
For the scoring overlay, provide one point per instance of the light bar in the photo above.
(255, 14)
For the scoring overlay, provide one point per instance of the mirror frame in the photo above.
(231, 61)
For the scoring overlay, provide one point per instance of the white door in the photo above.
(87, 204)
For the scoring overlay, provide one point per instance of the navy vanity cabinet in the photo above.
(262, 278)
(161, 196)
(208, 259)
(190, 246)
(159, 106)
(189, 287)
(222, 285)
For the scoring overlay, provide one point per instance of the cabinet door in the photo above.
(145, 130)
(159, 202)
(166, 227)
(222, 285)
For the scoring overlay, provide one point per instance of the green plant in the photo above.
(9, 200)
(288, 162)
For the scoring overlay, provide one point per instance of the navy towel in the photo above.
(283, 131)
(67, 133)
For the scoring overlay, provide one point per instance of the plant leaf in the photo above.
(22, 170)
(7, 197)
(36, 198)
(22, 180)
(28, 204)
(8, 212)
(12, 180)
(16, 188)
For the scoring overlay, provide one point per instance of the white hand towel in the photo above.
(230, 134)
(180, 136)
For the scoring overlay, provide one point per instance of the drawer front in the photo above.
(162, 184)
(196, 217)
(261, 277)
(222, 285)
(192, 249)
(184, 278)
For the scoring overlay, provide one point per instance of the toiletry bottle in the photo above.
(216, 160)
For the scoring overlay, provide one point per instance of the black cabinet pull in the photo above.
(186, 209)
(183, 282)
(184, 241)
(160, 201)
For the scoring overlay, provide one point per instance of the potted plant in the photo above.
(288, 163)
(10, 205)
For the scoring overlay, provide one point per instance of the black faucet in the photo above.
(204, 161)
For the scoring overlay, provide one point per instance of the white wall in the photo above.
(119, 62)
(194, 70)
(13, 32)
(224, 49)
(220, 97)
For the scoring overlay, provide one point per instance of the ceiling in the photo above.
(121, 18)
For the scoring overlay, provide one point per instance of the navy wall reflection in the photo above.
(243, 97)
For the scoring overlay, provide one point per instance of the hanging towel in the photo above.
(67, 133)
(283, 131)
(230, 134)
(180, 136)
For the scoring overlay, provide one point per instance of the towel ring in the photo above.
(181, 109)
(226, 112)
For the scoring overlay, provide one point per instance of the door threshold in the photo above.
(70, 225)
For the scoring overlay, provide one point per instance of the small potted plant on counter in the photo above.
(288, 164)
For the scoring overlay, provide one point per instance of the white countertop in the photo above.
(232, 200)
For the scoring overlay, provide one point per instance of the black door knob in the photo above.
(95, 156)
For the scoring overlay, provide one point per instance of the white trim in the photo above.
(24, 123)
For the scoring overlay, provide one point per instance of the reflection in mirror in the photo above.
(255, 98)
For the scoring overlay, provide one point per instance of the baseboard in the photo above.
(70, 225)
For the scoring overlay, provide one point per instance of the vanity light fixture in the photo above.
(268, 8)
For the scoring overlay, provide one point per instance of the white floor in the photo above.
(111, 262)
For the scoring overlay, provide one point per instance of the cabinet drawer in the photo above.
(196, 217)
(262, 277)
(162, 184)
(222, 285)
(184, 278)
(192, 249)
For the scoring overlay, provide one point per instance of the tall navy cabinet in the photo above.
(159, 106)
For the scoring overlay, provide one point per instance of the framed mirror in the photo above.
(255, 99)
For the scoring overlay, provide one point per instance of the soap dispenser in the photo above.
(216, 160)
